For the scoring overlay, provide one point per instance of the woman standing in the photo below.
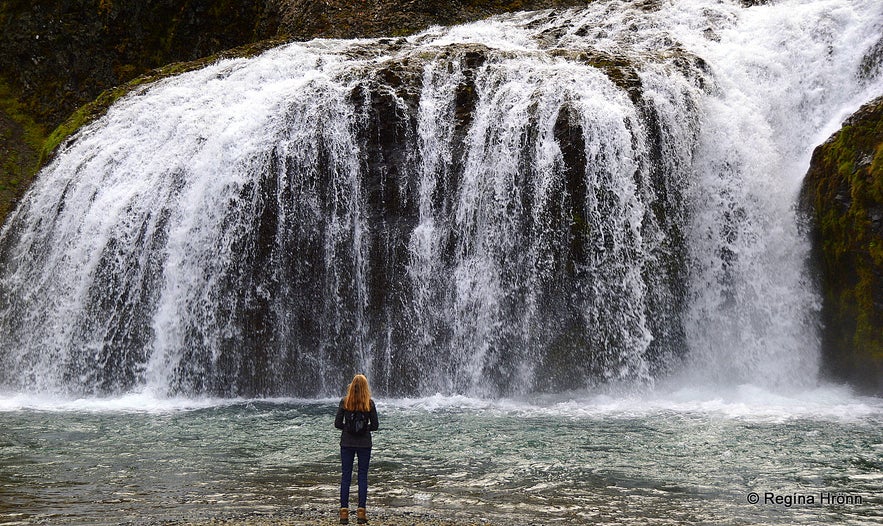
(356, 418)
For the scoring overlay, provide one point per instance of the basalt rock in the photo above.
(843, 198)
(305, 19)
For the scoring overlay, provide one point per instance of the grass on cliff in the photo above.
(21, 140)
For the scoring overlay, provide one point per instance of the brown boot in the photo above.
(361, 516)
(344, 516)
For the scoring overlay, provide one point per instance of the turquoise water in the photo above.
(679, 458)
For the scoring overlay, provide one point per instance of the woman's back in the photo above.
(349, 438)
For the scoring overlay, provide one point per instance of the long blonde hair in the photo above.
(358, 395)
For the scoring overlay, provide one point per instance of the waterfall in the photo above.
(537, 202)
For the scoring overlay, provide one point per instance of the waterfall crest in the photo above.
(537, 202)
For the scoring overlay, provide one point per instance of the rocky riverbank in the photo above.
(318, 517)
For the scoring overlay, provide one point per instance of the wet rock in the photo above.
(842, 197)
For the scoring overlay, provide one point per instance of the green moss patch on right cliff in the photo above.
(843, 195)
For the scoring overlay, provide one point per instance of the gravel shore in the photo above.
(318, 517)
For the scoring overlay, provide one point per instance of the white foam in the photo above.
(132, 402)
(746, 402)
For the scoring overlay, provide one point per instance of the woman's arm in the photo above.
(373, 423)
(338, 420)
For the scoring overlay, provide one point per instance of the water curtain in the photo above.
(538, 202)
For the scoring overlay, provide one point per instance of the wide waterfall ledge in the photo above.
(540, 203)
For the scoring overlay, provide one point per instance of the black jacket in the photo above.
(350, 440)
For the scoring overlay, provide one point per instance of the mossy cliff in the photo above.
(843, 197)
(20, 142)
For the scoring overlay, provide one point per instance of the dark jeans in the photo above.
(347, 456)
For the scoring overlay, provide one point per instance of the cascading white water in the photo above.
(542, 201)
(784, 74)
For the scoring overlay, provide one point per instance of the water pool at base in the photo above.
(811, 458)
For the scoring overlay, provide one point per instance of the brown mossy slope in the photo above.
(843, 195)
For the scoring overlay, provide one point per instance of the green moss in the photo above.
(82, 116)
(20, 140)
(844, 190)
(12, 107)
(876, 173)
(868, 334)
(404, 31)
(623, 72)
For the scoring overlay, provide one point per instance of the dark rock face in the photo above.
(62, 54)
(843, 197)
(305, 19)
